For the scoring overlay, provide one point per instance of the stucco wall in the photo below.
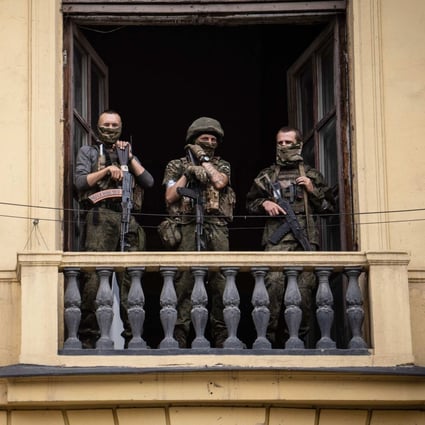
(30, 125)
(403, 59)
(231, 398)
(388, 100)
(212, 416)
(387, 103)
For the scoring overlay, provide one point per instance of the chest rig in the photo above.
(215, 202)
(292, 192)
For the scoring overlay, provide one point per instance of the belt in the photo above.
(110, 205)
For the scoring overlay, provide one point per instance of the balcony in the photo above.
(366, 291)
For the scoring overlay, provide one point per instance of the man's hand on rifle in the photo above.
(198, 172)
(122, 144)
(273, 209)
(197, 151)
(115, 172)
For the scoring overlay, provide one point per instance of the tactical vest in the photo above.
(292, 192)
(218, 203)
(295, 195)
(102, 161)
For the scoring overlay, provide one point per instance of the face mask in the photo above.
(288, 154)
(109, 135)
(207, 147)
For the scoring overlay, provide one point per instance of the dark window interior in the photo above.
(162, 78)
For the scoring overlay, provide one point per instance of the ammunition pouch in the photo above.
(169, 232)
(227, 203)
(212, 200)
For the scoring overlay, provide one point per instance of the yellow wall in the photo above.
(387, 72)
(31, 130)
(213, 416)
(30, 125)
(231, 398)
(388, 100)
(386, 40)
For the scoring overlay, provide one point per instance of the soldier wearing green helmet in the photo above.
(210, 175)
(204, 125)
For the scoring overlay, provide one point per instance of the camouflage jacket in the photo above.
(218, 205)
(320, 201)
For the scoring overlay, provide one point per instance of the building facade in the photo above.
(349, 73)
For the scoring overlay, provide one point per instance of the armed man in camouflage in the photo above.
(211, 175)
(304, 187)
(98, 169)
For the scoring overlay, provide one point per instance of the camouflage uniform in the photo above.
(103, 224)
(218, 206)
(320, 201)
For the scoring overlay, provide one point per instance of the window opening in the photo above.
(315, 106)
(161, 78)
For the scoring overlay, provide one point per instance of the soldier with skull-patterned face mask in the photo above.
(307, 193)
(210, 174)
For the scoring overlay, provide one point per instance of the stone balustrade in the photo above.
(260, 311)
(362, 296)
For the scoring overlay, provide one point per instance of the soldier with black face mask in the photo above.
(210, 174)
(307, 193)
(98, 169)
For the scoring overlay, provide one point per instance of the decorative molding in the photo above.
(369, 127)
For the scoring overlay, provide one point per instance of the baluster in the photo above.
(261, 313)
(104, 312)
(355, 310)
(72, 301)
(168, 313)
(135, 311)
(293, 312)
(324, 311)
(231, 312)
(199, 311)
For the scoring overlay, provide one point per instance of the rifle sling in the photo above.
(305, 195)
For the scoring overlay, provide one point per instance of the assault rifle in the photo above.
(127, 197)
(290, 223)
(194, 192)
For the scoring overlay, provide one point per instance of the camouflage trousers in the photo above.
(103, 234)
(217, 239)
(276, 285)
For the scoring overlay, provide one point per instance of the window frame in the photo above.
(98, 13)
(335, 34)
(73, 37)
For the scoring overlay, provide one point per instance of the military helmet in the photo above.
(204, 125)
